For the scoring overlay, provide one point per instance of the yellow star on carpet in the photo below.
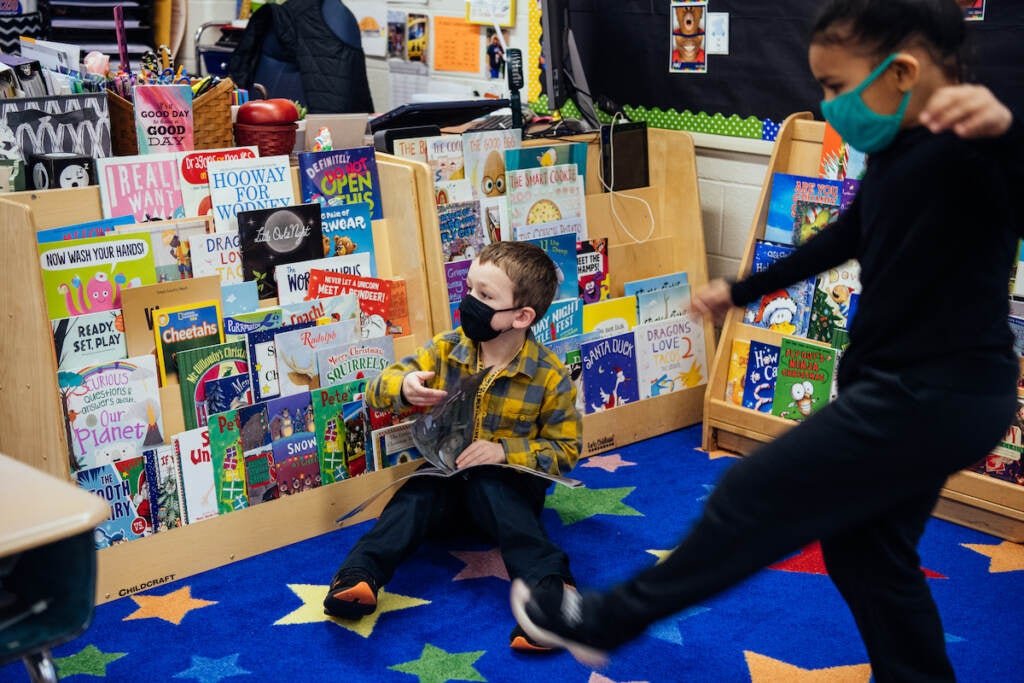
(1006, 557)
(171, 607)
(719, 453)
(312, 609)
(767, 670)
(661, 554)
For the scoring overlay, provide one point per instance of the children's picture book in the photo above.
(657, 282)
(347, 228)
(832, 300)
(163, 117)
(248, 185)
(330, 432)
(670, 356)
(178, 328)
(838, 160)
(272, 237)
(850, 189)
(800, 207)
(89, 339)
(554, 155)
(611, 316)
(444, 156)
(238, 298)
(139, 303)
(356, 429)
(169, 243)
(483, 153)
(112, 410)
(736, 375)
(237, 327)
(196, 366)
(545, 194)
(575, 224)
(218, 254)
(494, 215)
(567, 349)
(293, 278)
(762, 371)
(562, 250)
(192, 448)
(227, 393)
(359, 360)
(263, 360)
(341, 176)
(411, 148)
(321, 311)
(592, 270)
(123, 486)
(144, 186)
(393, 445)
(804, 382)
(380, 311)
(654, 305)
(260, 476)
(609, 372)
(293, 439)
(165, 499)
(194, 179)
(89, 275)
(453, 191)
(297, 353)
(228, 462)
(564, 318)
(96, 228)
(455, 276)
(787, 310)
(462, 232)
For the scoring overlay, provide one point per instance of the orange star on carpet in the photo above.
(767, 670)
(1005, 557)
(171, 607)
(810, 561)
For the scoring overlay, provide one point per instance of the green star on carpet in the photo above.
(206, 670)
(90, 661)
(574, 505)
(437, 666)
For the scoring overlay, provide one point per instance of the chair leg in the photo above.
(40, 667)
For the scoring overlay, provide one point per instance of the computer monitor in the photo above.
(440, 114)
(564, 76)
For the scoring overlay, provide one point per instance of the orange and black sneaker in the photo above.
(352, 595)
(520, 642)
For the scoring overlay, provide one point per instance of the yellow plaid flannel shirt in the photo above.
(529, 407)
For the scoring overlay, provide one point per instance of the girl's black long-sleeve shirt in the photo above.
(934, 227)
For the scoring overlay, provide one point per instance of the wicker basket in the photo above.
(271, 138)
(211, 120)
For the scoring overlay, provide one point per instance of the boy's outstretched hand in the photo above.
(713, 299)
(970, 111)
(416, 394)
(481, 452)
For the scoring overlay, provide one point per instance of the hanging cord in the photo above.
(614, 193)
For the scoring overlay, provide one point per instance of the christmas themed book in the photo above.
(609, 372)
(199, 365)
(358, 360)
(800, 207)
(297, 353)
(263, 360)
(762, 372)
(228, 462)
(804, 382)
(293, 278)
(293, 439)
(786, 310)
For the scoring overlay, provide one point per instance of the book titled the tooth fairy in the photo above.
(163, 118)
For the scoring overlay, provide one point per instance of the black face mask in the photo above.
(476, 316)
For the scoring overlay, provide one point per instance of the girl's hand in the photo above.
(713, 299)
(416, 394)
(481, 452)
(970, 111)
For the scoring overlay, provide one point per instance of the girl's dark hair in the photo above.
(886, 26)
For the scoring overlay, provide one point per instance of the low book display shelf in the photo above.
(971, 499)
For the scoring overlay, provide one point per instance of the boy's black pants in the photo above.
(862, 476)
(501, 503)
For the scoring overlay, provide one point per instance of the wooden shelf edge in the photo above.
(644, 419)
(977, 514)
(988, 488)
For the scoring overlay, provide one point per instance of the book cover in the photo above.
(194, 178)
(649, 284)
(163, 117)
(362, 360)
(258, 454)
(139, 304)
(248, 185)
(356, 427)
(297, 353)
(228, 461)
(553, 155)
(196, 366)
(89, 339)
(839, 161)
(329, 423)
(393, 445)
(762, 372)
(144, 186)
(263, 360)
(192, 448)
(831, 302)
(654, 305)
(670, 356)
(293, 439)
(567, 349)
(89, 275)
(609, 372)
(112, 410)
(804, 380)
(169, 244)
(178, 328)
(564, 318)
(273, 237)
(96, 228)
(444, 156)
(455, 277)
(799, 206)
(453, 191)
(592, 270)
(238, 327)
(238, 298)
(462, 232)
(123, 486)
(850, 189)
(348, 229)
(562, 250)
(227, 393)
(494, 214)
(341, 176)
(411, 148)
(217, 254)
(787, 310)
(483, 154)
(545, 194)
(576, 224)
(321, 311)
(293, 278)
(380, 312)
(611, 316)
(736, 375)
(165, 502)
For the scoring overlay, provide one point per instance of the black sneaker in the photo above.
(353, 594)
(520, 642)
(554, 620)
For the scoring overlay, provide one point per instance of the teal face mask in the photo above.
(865, 130)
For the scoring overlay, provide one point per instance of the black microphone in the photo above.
(514, 61)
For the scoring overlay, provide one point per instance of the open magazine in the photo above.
(442, 433)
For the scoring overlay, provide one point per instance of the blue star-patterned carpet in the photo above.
(445, 615)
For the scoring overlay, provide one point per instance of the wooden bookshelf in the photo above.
(970, 499)
(31, 420)
(676, 243)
